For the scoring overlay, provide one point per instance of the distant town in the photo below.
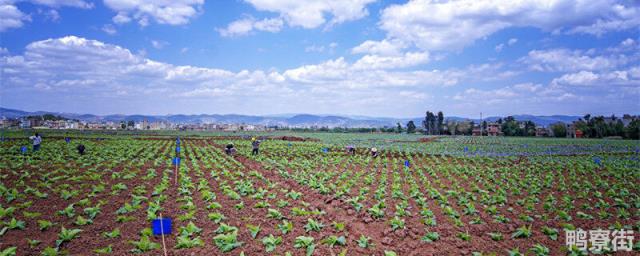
(627, 126)
(48, 121)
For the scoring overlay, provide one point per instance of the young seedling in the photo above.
(305, 242)
(270, 242)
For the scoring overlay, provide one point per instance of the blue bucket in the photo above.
(158, 229)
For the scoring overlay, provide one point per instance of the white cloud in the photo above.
(565, 60)
(11, 17)
(109, 29)
(629, 77)
(580, 78)
(60, 3)
(499, 47)
(409, 59)
(313, 13)
(451, 25)
(384, 47)
(51, 15)
(96, 70)
(512, 41)
(244, 26)
(321, 48)
(176, 12)
(158, 44)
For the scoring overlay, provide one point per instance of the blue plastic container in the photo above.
(158, 229)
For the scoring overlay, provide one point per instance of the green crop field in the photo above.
(304, 195)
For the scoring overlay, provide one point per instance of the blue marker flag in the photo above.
(406, 163)
(178, 149)
(176, 161)
(466, 149)
(23, 149)
(161, 226)
(325, 150)
(67, 139)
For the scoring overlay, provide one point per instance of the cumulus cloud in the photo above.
(11, 17)
(625, 77)
(313, 13)
(109, 29)
(454, 24)
(93, 69)
(60, 3)
(566, 60)
(244, 26)
(176, 12)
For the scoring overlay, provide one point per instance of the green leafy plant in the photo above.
(285, 227)
(112, 234)
(44, 224)
(540, 250)
(66, 235)
(313, 225)
(430, 237)
(10, 251)
(552, 233)
(332, 241)
(216, 217)
(227, 242)
(522, 232)
(496, 236)
(305, 242)
(144, 245)
(104, 250)
(253, 230)
(184, 241)
(271, 242)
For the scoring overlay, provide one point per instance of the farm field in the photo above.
(303, 195)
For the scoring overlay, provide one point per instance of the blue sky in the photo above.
(361, 57)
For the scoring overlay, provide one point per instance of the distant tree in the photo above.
(440, 122)
(131, 124)
(632, 131)
(399, 128)
(429, 123)
(484, 128)
(618, 128)
(123, 125)
(559, 129)
(452, 126)
(529, 128)
(464, 128)
(411, 127)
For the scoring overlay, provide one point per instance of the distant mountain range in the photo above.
(294, 120)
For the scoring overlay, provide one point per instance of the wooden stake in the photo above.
(164, 245)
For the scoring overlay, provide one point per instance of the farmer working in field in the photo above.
(374, 152)
(80, 149)
(36, 139)
(256, 146)
(229, 149)
(351, 150)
